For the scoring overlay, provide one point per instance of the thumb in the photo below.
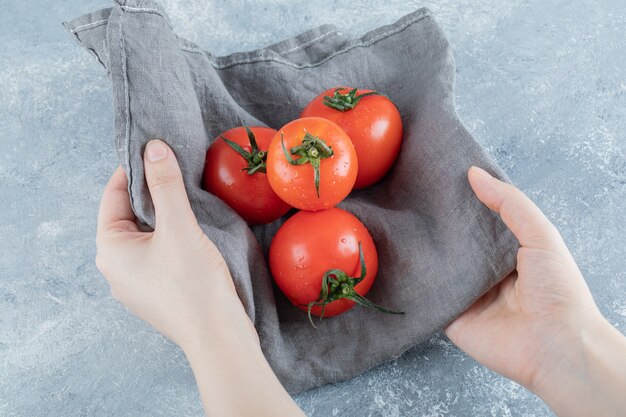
(525, 220)
(165, 182)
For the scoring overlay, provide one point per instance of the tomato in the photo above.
(328, 249)
(311, 163)
(235, 172)
(371, 120)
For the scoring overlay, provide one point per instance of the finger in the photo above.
(525, 220)
(115, 210)
(165, 181)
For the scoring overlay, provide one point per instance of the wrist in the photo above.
(232, 374)
(222, 323)
(584, 371)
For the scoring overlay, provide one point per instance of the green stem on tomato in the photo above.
(312, 150)
(346, 101)
(255, 159)
(336, 284)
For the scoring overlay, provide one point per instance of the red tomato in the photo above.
(235, 173)
(330, 242)
(372, 122)
(311, 163)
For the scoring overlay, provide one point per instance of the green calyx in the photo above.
(336, 284)
(255, 159)
(312, 150)
(346, 101)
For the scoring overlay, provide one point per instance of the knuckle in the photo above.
(544, 235)
(100, 264)
(164, 180)
(101, 241)
(513, 194)
(552, 232)
(114, 293)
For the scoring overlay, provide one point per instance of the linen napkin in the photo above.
(439, 247)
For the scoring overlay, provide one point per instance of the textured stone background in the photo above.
(541, 84)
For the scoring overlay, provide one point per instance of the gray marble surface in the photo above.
(541, 84)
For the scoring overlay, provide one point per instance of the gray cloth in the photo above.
(439, 247)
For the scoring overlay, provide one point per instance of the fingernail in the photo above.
(156, 150)
(481, 173)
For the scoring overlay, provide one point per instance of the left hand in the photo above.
(174, 278)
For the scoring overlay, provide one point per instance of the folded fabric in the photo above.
(439, 247)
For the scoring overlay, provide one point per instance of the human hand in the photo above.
(540, 325)
(174, 277)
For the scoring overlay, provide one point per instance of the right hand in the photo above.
(536, 325)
